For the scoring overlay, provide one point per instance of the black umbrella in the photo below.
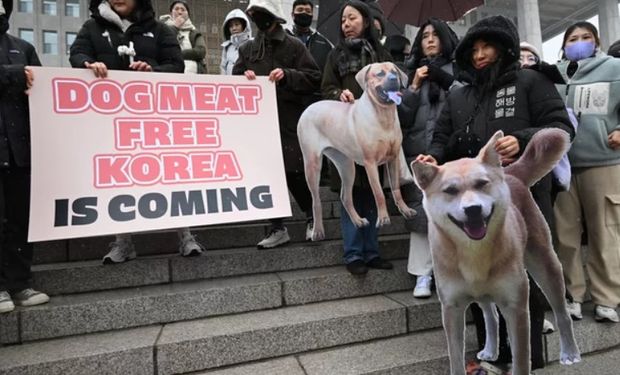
(328, 23)
(416, 12)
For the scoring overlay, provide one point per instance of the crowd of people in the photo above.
(459, 93)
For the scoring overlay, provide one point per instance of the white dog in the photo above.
(485, 230)
(366, 132)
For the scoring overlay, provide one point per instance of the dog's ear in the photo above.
(362, 75)
(403, 77)
(487, 154)
(424, 173)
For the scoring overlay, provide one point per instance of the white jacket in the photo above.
(230, 48)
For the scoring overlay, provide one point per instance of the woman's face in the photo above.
(580, 34)
(431, 45)
(235, 26)
(179, 10)
(123, 7)
(527, 58)
(483, 54)
(352, 23)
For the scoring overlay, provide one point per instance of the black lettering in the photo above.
(85, 211)
(116, 206)
(260, 197)
(159, 209)
(229, 198)
(61, 212)
(187, 203)
(212, 205)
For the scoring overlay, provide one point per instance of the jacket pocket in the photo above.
(612, 209)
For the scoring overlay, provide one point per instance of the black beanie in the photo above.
(180, 2)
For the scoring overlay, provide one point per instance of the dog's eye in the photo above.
(381, 74)
(451, 190)
(481, 184)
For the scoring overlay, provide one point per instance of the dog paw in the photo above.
(487, 355)
(362, 222)
(570, 358)
(407, 212)
(381, 221)
(318, 235)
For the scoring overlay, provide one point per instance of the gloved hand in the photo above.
(440, 76)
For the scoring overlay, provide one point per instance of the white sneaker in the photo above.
(423, 286)
(309, 230)
(6, 303)
(189, 247)
(547, 327)
(120, 251)
(605, 314)
(574, 310)
(275, 238)
(30, 297)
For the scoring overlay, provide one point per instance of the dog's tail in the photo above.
(541, 154)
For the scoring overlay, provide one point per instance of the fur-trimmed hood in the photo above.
(236, 13)
(496, 29)
(271, 6)
(143, 12)
(6, 8)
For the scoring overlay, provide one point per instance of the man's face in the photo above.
(305, 8)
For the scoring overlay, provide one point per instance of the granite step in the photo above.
(598, 363)
(227, 340)
(166, 242)
(86, 276)
(133, 307)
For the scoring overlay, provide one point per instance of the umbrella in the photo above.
(416, 12)
(328, 23)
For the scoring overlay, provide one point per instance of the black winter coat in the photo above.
(301, 78)
(15, 54)
(154, 42)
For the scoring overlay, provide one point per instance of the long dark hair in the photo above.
(369, 33)
(447, 38)
(580, 25)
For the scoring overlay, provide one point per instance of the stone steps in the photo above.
(598, 363)
(134, 307)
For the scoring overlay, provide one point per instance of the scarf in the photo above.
(354, 55)
(434, 90)
(106, 11)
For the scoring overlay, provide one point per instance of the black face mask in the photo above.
(263, 20)
(4, 24)
(302, 19)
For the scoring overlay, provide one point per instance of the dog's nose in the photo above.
(473, 211)
(392, 77)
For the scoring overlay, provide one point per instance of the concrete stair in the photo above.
(238, 310)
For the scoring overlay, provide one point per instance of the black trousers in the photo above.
(15, 251)
(541, 192)
(296, 183)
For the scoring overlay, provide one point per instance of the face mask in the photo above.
(579, 50)
(302, 19)
(263, 20)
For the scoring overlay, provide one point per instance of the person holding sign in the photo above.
(287, 63)
(15, 251)
(124, 35)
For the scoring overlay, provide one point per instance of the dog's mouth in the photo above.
(390, 95)
(475, 227)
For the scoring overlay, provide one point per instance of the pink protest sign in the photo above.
(146, 151)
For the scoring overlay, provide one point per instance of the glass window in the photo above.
(72, 8)
(25, 6)
(49, 7)
(69, 39)
(50, 42)
(27, 35)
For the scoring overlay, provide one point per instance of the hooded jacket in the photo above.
(593, 92)
(15, 54)
(230, 47)
(519, 102)
(99, 38)
(192, 43)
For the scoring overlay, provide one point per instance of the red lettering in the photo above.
(249, 97)
(205, 98)
(226, 166)
(145, 169)
(174, 98)
(227, 100)
(138, 97)
(70, 96)
(110, 170)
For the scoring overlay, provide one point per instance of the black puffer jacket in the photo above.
(520, 103)
(15, 54)
(154, 42)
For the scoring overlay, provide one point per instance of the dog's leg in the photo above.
(490, 352)
(543, 265)
(312, 166)
(346, 170)
(453, 317)
(514, 305)
(394, 179)
(383, 218)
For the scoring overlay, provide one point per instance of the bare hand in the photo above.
(29, 79)
(179, 21)
(347, 96)
(428, 159)
(420, 74)
(276, 75)
(614, 139)
(99, 68)
(507, 147)
(140, 66)
(249, 74)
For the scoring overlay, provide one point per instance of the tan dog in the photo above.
(485, 230)
(366, 132)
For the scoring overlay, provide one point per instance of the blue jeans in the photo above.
(360, 243)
